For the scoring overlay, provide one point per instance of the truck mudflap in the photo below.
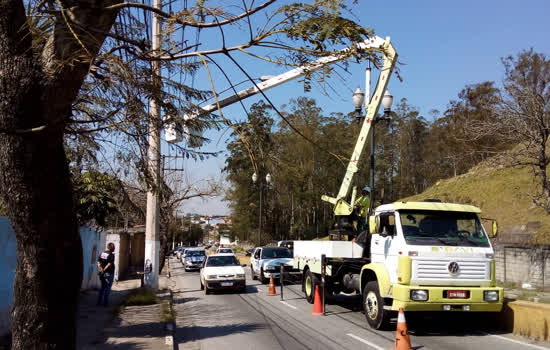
(447, 298)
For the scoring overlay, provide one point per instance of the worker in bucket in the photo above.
(362, 205)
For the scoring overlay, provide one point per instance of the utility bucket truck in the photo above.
(419, 256)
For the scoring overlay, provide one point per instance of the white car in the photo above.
(225, 251)
(222, 271)
(266, 262)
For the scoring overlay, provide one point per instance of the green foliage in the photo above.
(94, 193)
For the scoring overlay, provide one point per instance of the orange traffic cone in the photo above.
(317, 307)
(271, 290)
(402, 340)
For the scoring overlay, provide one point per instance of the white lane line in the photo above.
(516, 341)
(290, 306)
(365, 342)
(259, 289)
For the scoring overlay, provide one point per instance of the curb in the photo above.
(170, 326)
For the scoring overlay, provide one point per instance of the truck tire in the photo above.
(262, 277)
(373, 305)
(310, 281)
(252, 272)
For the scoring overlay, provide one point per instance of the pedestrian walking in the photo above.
(106, 272)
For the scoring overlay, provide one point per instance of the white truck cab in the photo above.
(420, 256)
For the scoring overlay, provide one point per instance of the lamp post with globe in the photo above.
(260, 183)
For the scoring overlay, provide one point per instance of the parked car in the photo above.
(222, 271)
(193, 259)
(225, 251)
(184, 253)
(179, 251)
(265, 262)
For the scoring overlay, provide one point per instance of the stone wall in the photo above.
(521, 264)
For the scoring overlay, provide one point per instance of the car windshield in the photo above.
(195, 253)
(428, 227)
(228, 260)
(225, 250)
(274, 253)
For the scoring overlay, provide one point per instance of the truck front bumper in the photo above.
(437, 300)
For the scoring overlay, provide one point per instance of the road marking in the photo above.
(169, 340)
(259, 289)
(515, 341)
(290, 306)
(365, 341)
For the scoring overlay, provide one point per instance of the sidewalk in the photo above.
(137, 327)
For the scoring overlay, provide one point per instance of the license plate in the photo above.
(226, 284)
(457, 294)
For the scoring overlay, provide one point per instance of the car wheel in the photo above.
(373, 305)
(252, 273)
(310, 281)
(262, 277)
(202, 286)
(206, 290)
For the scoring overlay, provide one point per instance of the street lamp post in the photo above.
(260, 184)
(387, 101)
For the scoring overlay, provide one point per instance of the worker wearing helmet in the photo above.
(362, 205)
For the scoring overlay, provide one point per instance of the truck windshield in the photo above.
(274, 253)
(430, 227)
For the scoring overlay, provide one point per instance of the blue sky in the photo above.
(442, 45)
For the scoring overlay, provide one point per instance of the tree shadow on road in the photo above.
(197, 333)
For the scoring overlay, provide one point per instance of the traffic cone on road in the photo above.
(271, 290)
(402, 340)
(317, 307)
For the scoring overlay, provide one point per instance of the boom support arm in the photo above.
(373, 43)
(341, 207)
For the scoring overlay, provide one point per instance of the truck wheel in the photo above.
(252, 273)
(262, 277)
(309, 286)
(373, 305)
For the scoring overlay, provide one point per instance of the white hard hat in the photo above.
(366, 188)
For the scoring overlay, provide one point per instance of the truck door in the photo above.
(383, 249)
(257, 256)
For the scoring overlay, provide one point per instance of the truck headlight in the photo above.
(272, 268)
(490, 295)
(419, 295)
(211, 277)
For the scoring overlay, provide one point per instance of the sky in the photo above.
(442, 47)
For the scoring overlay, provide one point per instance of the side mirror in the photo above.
(495, 228)
(374, 224)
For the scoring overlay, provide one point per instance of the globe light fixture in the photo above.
(387, 101)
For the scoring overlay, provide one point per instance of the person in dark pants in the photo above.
(106, 272)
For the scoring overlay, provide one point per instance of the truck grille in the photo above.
(437, 270)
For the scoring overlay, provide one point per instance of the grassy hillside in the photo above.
(502, 194)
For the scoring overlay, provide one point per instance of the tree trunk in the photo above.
(36, 94)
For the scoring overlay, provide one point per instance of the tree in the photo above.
(56, 51)
(520, 118)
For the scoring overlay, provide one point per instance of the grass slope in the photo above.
(501, 193)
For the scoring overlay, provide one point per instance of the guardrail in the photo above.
(525, 318)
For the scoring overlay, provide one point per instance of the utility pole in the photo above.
(152, 226)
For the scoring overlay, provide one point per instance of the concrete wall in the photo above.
(122, 252)
(8, 261)
(137, 249)
(523, 265)
(91, 242)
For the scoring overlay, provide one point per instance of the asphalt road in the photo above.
(254, 320)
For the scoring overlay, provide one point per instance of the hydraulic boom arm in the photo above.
(341, 207)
